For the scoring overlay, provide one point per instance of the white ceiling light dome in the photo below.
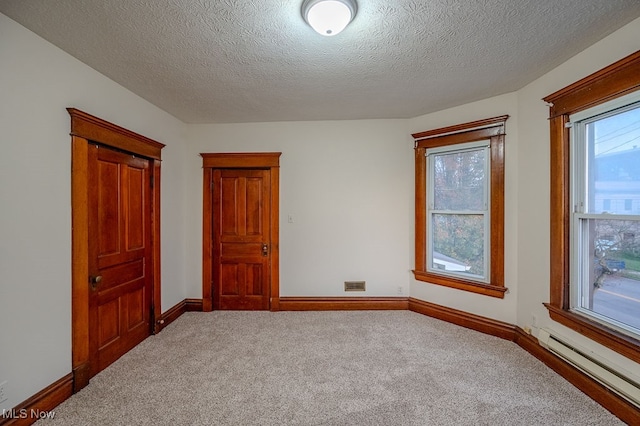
(328, 17)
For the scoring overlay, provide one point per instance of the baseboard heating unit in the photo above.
(616, 379)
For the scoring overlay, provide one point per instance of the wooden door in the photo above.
(241, 239)
(96, 343)
(120, 251)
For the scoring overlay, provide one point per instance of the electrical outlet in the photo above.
(534, 320)
(3, 392)
(400, 290)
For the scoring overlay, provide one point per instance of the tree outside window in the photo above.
(460, 206)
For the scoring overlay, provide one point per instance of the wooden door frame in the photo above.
(250, 160)
(86, 129)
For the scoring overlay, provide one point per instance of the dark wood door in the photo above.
(241, 239)
(119, 254)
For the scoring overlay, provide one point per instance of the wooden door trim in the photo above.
(93, 128)
(239, 160)
(85, 129)
(252, 160)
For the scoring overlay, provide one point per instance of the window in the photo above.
(595, 167)
(605, 272)
(460, 206)
(458, 210)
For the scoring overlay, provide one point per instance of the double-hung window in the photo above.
(605, 227)
(460, 206)
(595, 206)
(458, 214)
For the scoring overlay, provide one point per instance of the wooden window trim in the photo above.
(494, 130)
(616, 80)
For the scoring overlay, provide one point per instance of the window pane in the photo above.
(458, 243)
(611, 280)
(459, 180)
(613, 143)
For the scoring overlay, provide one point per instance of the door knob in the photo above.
(265, 249)
(95, 280)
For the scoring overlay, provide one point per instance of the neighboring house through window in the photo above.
(595, 184)
(605, 275)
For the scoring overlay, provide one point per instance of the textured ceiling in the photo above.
(217, 61)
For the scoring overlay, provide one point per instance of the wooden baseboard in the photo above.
(342, 303)
(464, 319)
(81, 375)
(56, 393)
(613, 402)
(616, 404)
(193, 305)
(173, 313)
(40, 404)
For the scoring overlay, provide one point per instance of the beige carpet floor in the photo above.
(326, 368)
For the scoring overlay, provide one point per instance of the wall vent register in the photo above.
(354, 286)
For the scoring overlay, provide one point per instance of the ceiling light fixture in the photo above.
(328, 17)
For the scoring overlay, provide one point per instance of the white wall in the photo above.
(37, 82)
(527, 194)
(533, 183)
(500, 309)
(330, 240)
(348, 186)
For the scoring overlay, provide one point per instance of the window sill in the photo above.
(614, 340)
(460, 284)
